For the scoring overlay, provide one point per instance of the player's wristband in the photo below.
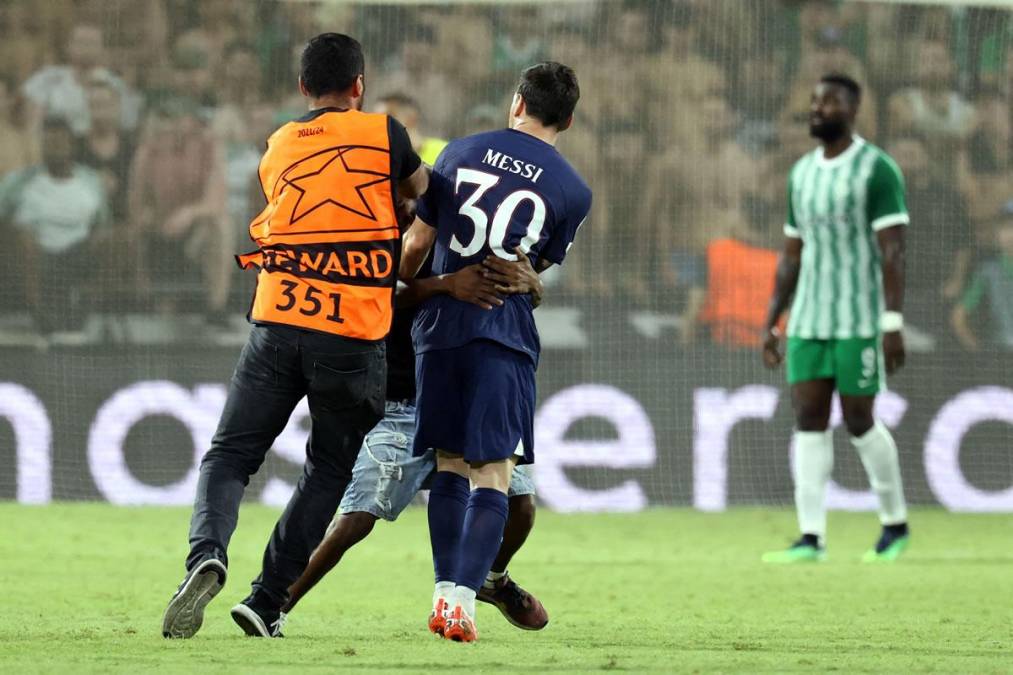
(891, 322)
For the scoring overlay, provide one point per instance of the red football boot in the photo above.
(460, 626)
(438, 617)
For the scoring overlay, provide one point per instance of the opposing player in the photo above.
(493, 192)
(843, 261)
(387, 476)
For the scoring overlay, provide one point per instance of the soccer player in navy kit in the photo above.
(508, 193)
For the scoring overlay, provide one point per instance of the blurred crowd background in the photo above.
(131, 130)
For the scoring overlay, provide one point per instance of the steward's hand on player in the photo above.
(471, 285)
(772, 356)
(893, 351)
(514, 277)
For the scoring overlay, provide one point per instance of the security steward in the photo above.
(328, 250)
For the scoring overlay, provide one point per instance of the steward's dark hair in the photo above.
(330, 63)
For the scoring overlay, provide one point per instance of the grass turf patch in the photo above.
(84, 587)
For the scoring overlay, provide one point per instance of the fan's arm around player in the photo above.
(483, 284)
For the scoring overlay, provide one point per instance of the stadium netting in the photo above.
(131, 136)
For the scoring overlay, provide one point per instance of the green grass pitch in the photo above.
(84, 586)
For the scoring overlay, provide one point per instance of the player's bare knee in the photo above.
(452, 463)
(857, 413)
(811, 418)
(859, 423)
(359, 524)
(348, 529)
(812, 413)
(492, 475)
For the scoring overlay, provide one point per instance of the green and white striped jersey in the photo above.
(836, 207)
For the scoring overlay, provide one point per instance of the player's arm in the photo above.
(887, 214)
(785, 282)
(415, 247)
(891, 246)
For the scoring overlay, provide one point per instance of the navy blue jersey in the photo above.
(490, 193)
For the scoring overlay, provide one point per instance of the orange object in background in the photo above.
(740, 281)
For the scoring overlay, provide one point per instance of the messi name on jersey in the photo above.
(507, 163)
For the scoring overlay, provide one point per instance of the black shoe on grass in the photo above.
(258, 622)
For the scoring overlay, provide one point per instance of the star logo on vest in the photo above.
(330, 178)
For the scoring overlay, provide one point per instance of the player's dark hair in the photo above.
(848, 83)
(330, 63)
(550, 92)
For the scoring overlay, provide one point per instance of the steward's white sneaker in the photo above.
(185, 613)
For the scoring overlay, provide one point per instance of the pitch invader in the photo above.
(843, 261)
(503, 192)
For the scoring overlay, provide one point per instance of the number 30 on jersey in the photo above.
(501, 218)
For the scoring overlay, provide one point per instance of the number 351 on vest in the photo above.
(328, 237)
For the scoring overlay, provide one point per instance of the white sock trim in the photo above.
(445, 590)
(465, 597)
(492, 577)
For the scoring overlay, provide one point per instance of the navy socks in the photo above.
(465, 529)
(448, 502)
(483, 532)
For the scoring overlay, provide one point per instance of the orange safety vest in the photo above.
(740, 280)
(328, 238)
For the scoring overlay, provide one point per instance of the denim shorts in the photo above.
(386, 476)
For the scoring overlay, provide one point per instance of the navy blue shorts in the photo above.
(477, 400)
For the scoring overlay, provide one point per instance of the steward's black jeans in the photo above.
(344, 381)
